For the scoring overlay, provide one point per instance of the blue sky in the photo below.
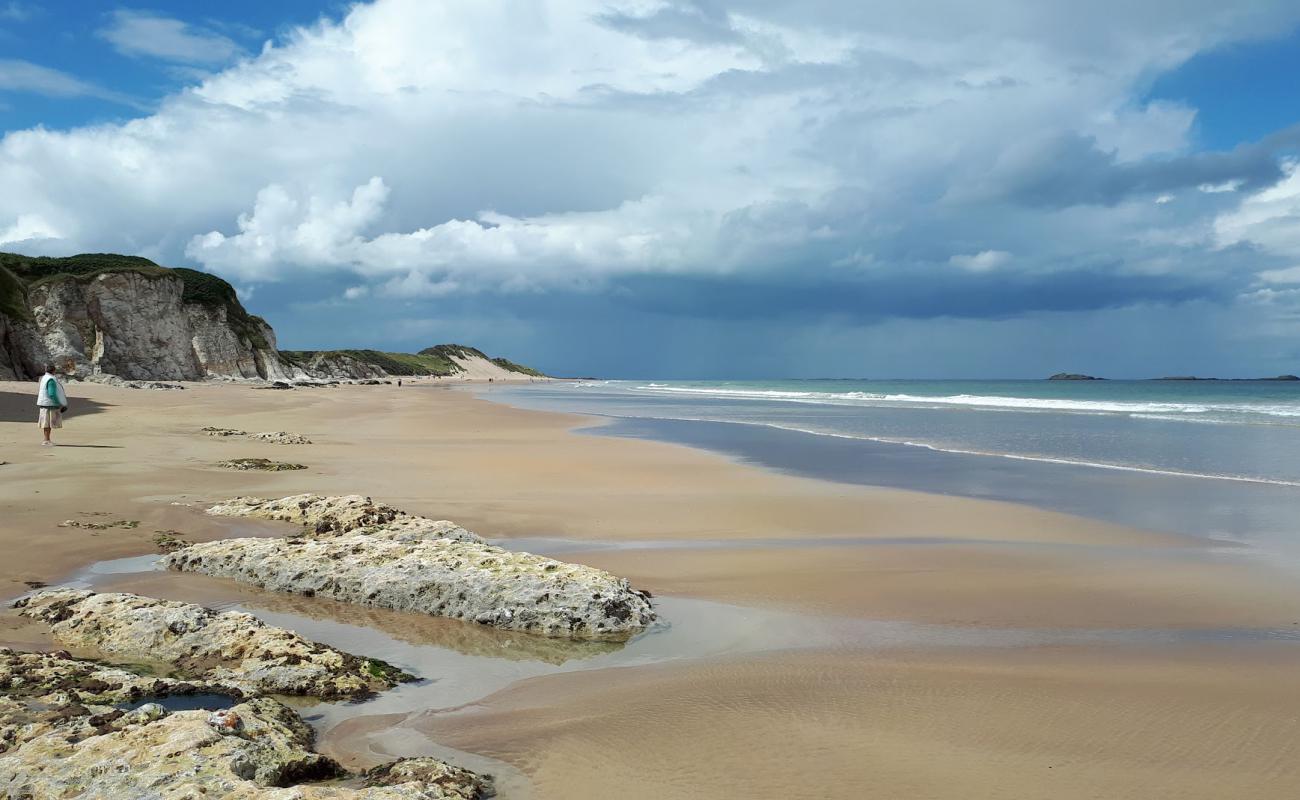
(689, 188)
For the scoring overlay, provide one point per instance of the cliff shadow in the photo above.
(21, 406)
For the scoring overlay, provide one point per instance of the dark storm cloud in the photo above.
(1071, 169)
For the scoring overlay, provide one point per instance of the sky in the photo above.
(689, 188)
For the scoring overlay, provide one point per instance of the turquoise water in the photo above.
(1235, 430)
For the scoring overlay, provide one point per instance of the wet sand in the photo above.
(957, 722)
(1061, 724)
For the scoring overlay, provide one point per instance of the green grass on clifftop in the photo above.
(36, 270)
(13, 296)
(435, 361)
(392, 363)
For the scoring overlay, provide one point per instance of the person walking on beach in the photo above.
(52, 402)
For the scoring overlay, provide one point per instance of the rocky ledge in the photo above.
(330, 515)
(366, 553)
(231, 648)
(63, 735)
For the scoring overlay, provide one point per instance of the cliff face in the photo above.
(137, 327)
(104, 314)
(142, 322)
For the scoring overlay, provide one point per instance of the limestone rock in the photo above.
(223, 432)
(61, 736)
(138, 327)
(280, 437)
(228, 647)
(42, 692)
(465, 580)
(327, 515)
(176, 755)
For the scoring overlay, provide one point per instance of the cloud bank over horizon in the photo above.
(707, 188)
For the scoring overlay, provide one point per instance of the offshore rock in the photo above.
(229, 647)
(465, 580)
(329, 515)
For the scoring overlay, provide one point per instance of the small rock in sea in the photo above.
(259, 464)
(231, 647)
(211, 431)
(35, 584)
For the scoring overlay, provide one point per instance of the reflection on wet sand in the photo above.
(1121, 723)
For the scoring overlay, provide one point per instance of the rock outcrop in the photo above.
(229, 647)
(361, 552)
(63, 734)
(462, 580)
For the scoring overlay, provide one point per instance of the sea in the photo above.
(1217, 459)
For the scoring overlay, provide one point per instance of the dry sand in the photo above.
(1105, 721)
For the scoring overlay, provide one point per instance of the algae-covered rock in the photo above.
(410, 772)
(259, 464)
(327, 515)
(460, 579)
(230, 646)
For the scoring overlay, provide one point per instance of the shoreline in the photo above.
(1251, 516)
(516, 475)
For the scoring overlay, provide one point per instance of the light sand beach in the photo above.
(1163, 679)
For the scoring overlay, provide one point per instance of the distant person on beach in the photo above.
(52, 403)
(399, 381)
